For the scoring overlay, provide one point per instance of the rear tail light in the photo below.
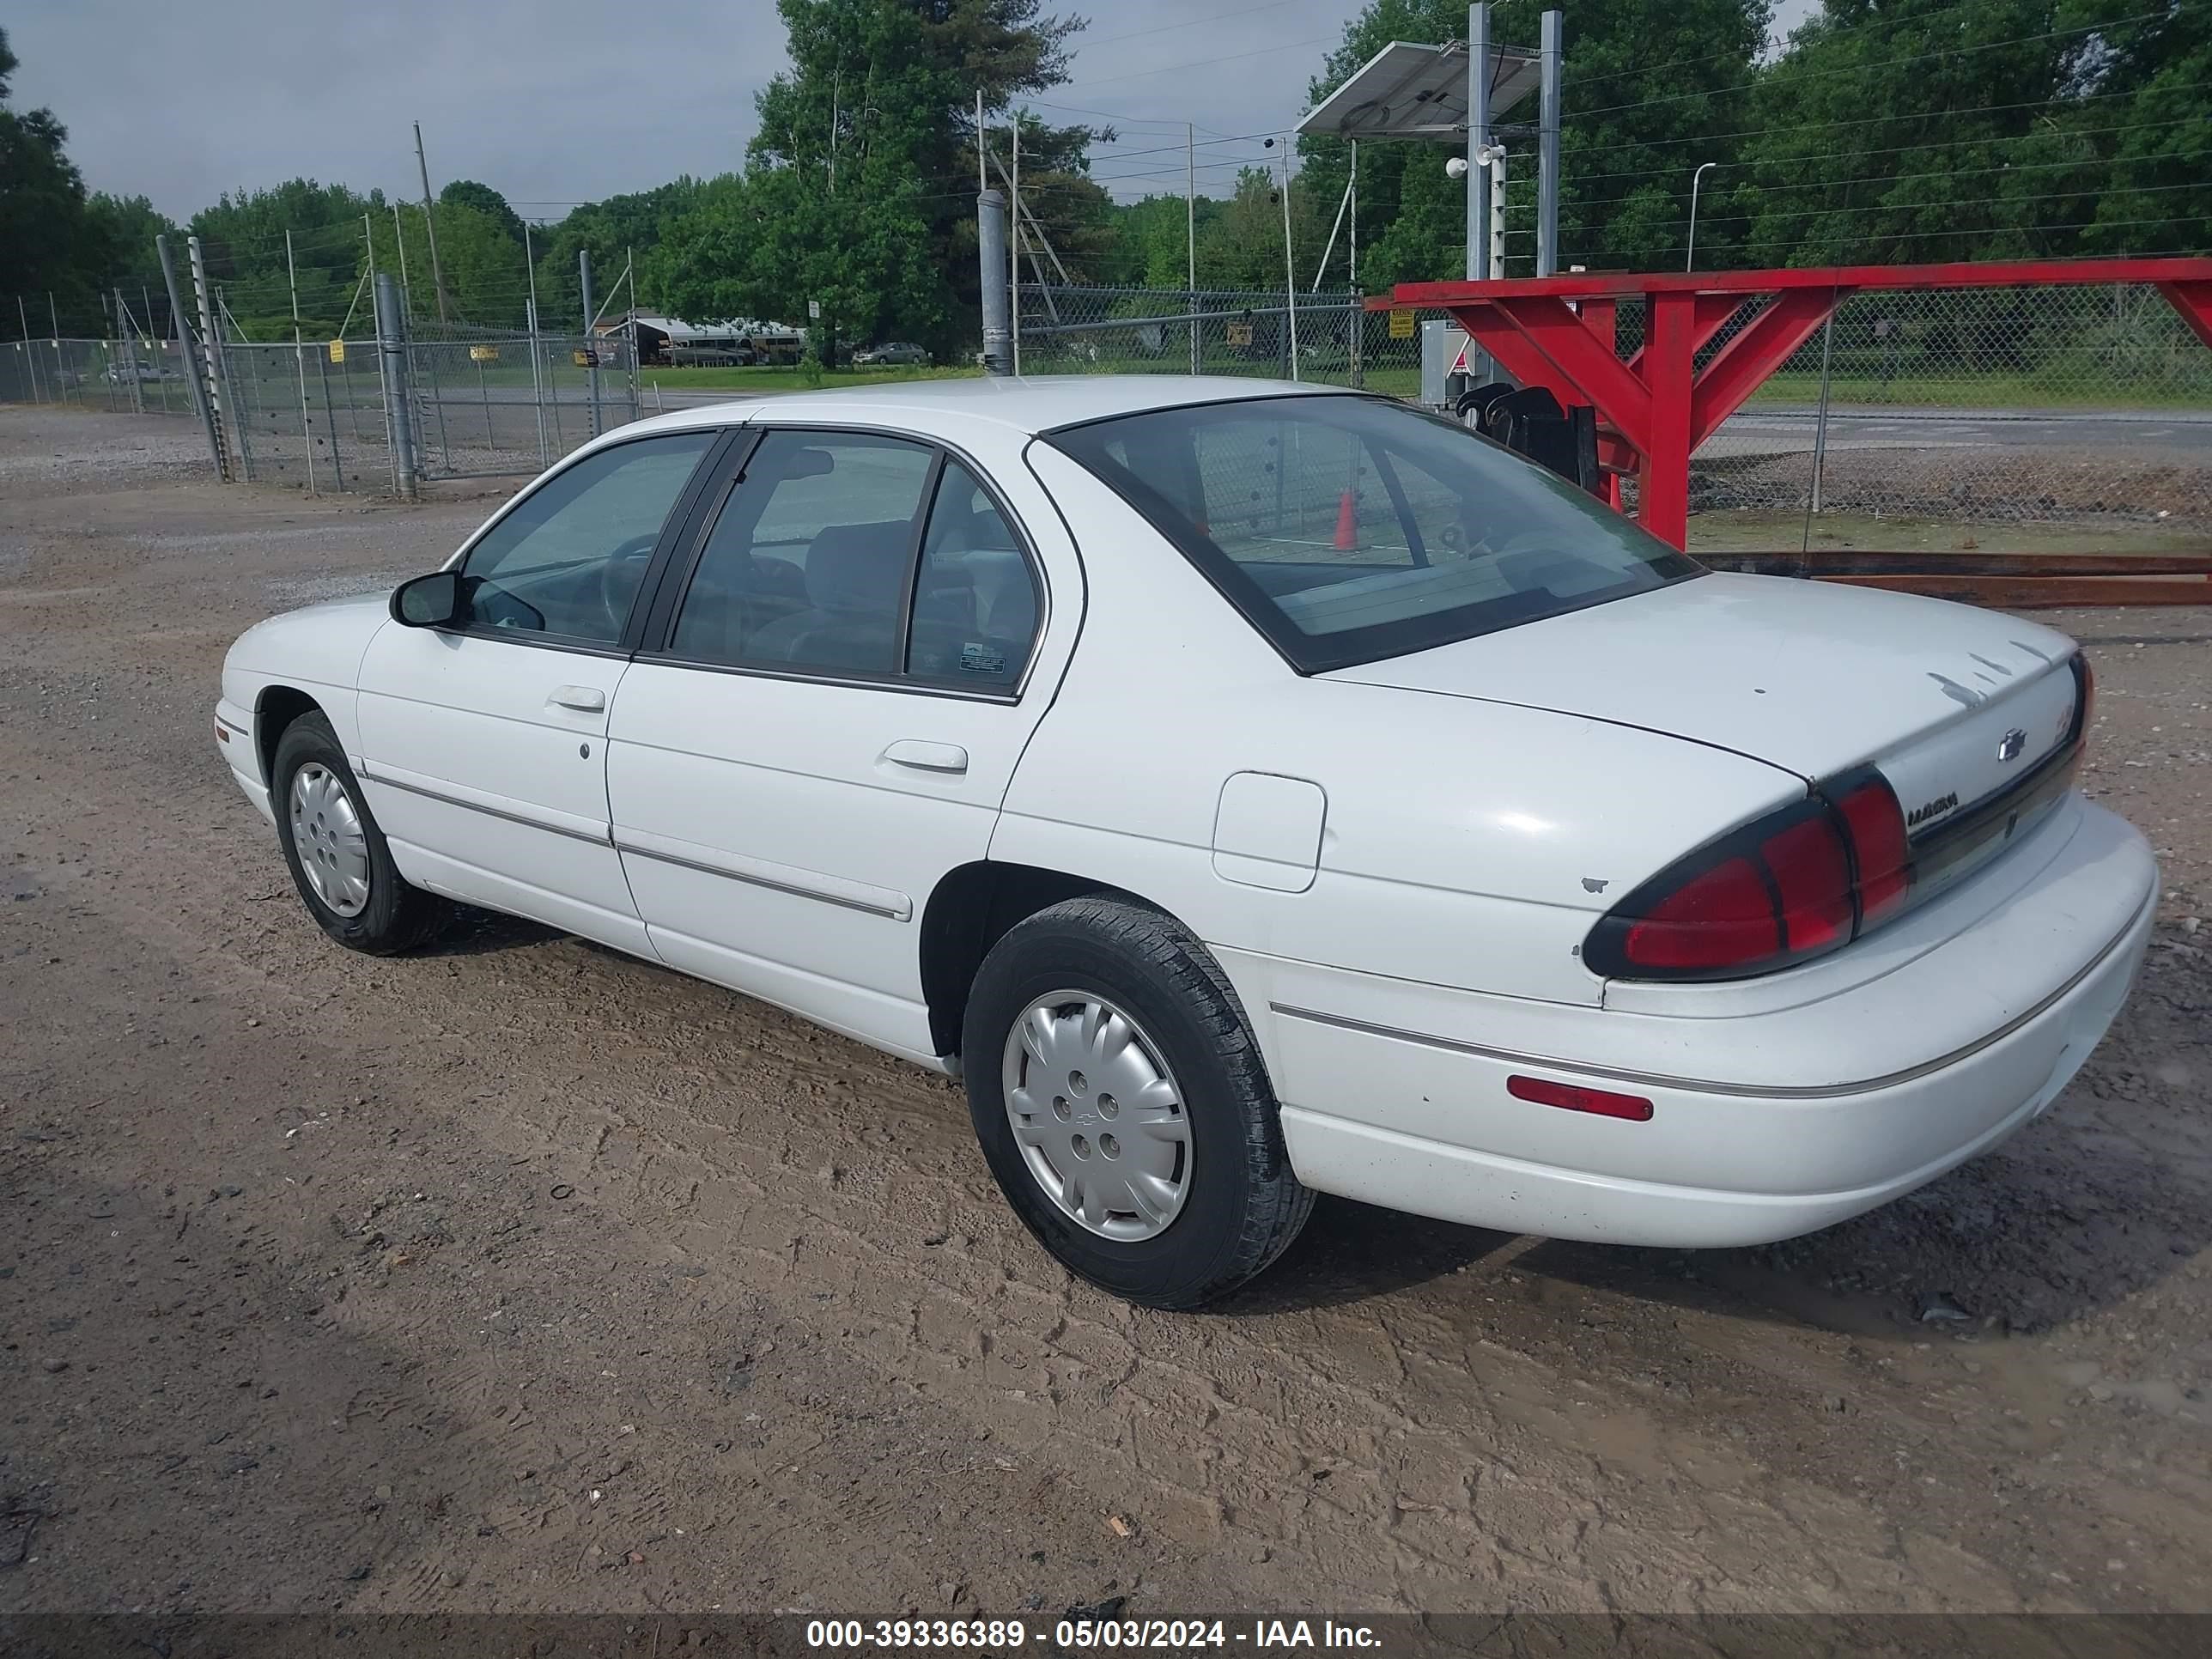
(1798, 883)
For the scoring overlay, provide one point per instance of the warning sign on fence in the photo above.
(483, 354)
(337, 351)
(1240, 334)
(1401, 323)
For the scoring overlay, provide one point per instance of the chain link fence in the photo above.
(1327, 336)
(318, 415)
(123, 377)
(2085, 407)
(2087, 410)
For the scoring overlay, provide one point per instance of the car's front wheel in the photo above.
(339, 861)
(1123, 1107)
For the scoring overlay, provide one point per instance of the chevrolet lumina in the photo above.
(1250, 791)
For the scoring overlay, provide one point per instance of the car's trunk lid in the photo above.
(1953, 703)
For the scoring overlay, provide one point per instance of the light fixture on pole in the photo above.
(1690, 256)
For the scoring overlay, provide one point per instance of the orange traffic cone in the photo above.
(1347, 524)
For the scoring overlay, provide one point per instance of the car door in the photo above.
(484, 745)
(828, 721)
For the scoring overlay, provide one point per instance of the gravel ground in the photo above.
(522, 1276)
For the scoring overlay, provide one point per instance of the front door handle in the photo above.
(584, 699)
(920, 756)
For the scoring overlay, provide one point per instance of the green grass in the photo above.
(1910, 391)
(773, 379)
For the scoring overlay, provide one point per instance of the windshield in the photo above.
(1348, 529)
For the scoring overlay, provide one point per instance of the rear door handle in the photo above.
(920, 756)
(584, 699)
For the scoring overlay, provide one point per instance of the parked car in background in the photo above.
(900, 353)
(1250, 791)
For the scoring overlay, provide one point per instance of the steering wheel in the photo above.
(616, 590)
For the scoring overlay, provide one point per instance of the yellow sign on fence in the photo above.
(1401, 325)
(337, 351)
(483, 354)
(1239, 333)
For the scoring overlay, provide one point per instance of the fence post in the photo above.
(991, 254)
(204, 362)
(126, 336)
(1819, 429)
(392, 353)
(536, 381)
(591, 347)
(1358, 326)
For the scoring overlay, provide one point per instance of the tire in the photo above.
(391, 916)
(1237, 1204)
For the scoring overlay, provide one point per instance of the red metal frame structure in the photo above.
(1655, 409)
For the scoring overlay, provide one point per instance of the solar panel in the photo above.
(1408, 90)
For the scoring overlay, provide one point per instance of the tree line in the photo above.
(1879, 132)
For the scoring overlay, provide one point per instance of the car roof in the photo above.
(1025, 405)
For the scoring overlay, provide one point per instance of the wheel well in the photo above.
(972, 909)
(280, 706)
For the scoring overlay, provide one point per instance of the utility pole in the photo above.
(590, 342)
(1478, 139)
(1547, 150)
(982, 172)
(1015, 185)
(399, 235)
(430, 225)
(1289, 268)
(1190, 232)
(300, 362)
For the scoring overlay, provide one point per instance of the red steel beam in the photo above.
(1742, 365)
(1659, 406)
(1618, 285)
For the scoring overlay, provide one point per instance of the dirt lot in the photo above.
(525, 1276)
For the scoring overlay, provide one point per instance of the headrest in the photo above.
(858, 567)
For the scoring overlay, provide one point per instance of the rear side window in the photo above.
(1348, 529)
(975, 601)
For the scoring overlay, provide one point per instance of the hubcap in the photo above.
(1097, 1116)
(327, 834)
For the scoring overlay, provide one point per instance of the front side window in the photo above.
(1348, 529)
(568, 559)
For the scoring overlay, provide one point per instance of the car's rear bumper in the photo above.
(1766, 1122)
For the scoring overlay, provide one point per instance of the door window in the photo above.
(975, 600)
(807, 565)
(567, 561)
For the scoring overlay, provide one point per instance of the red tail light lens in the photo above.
(1804, 880)
(1876, 825)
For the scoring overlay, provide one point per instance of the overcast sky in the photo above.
(554, 102)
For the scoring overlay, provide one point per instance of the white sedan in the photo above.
(1252, 791)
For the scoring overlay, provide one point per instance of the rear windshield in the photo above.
(1348, 529)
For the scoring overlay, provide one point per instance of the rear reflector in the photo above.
(222, 732)
(1573, 1097)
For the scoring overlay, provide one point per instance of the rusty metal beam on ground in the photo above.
(2043, 592)
(1856, 561)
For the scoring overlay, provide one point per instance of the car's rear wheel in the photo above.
(1123, 1107)
(337, 854)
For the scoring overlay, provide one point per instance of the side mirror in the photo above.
(431, 601)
